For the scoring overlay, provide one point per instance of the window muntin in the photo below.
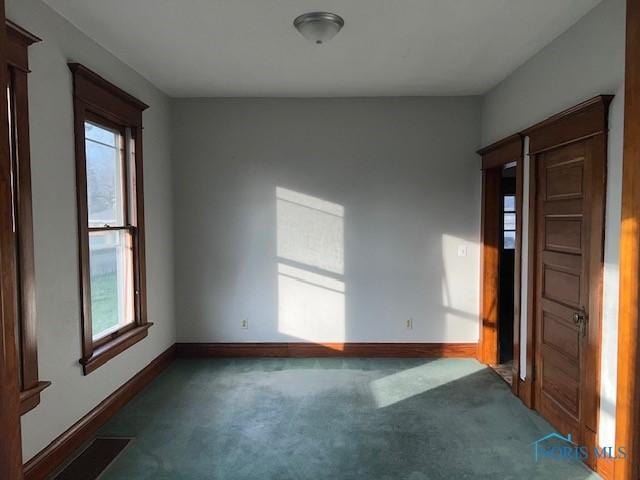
(509, 222)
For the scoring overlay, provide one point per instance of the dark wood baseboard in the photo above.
(524, 392)
(61, 449)
(451, 350)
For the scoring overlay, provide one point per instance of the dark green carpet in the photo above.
(299, 419)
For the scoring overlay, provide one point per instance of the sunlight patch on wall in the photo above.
(311, 306)
(310, 250)
(310, 230)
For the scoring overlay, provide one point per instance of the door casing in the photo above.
(586, 121)
(494, 158)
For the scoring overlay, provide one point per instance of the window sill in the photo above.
(110, 349)
(30, 399)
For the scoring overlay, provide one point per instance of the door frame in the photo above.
(11, 451)
(586, 121)
(628, 384)
(494, 158)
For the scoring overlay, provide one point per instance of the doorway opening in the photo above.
(506, 261)
(501, 244)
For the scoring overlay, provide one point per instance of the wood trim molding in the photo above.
(271, 349)
(11, 450)
(106, 98)
(526, 387)
(502, 152)
(586, 122)
(58, 451)
(19, 40)
(97, 100)
(582, 121)
(628, 388)
(117, 345)
(605, 467)
(30, 398)
(494, 158)
(525, 391)
(488, 349)
(21, 34)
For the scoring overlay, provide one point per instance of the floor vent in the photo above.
(94, 460)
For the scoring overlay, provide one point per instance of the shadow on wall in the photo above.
(312, 290)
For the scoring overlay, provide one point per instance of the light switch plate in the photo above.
(462, 250)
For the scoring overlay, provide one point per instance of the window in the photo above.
(108, 125)
(509, 222)
(17, 106)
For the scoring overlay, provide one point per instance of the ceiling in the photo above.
(195, 48)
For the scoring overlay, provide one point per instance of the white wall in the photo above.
(71, 394)
(585, 61)
(376, 196)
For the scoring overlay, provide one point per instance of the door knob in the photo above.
(580, 319)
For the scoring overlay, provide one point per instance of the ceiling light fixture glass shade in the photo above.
(318, 27)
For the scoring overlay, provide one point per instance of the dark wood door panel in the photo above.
(563, 312)
(560, 362)
(565, 154)
(561, 286)
(561, 261)
(563, 208)
(562, 335)
(559, 417)
(564, 233)
(561, 385)
(565, 180)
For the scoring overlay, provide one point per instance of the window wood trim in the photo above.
(31, 386)
(96, 97)
(18, 41)
(11, 451)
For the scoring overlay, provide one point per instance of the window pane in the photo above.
(111, 268)
(509, 240)
(105, 182)
(509, 221)
(100, 134)
(509, 203)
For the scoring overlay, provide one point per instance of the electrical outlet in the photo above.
(244, 324)
(409, 323)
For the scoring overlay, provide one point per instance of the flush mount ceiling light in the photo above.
(318, 27)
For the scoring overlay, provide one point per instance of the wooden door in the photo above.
(569, 232)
